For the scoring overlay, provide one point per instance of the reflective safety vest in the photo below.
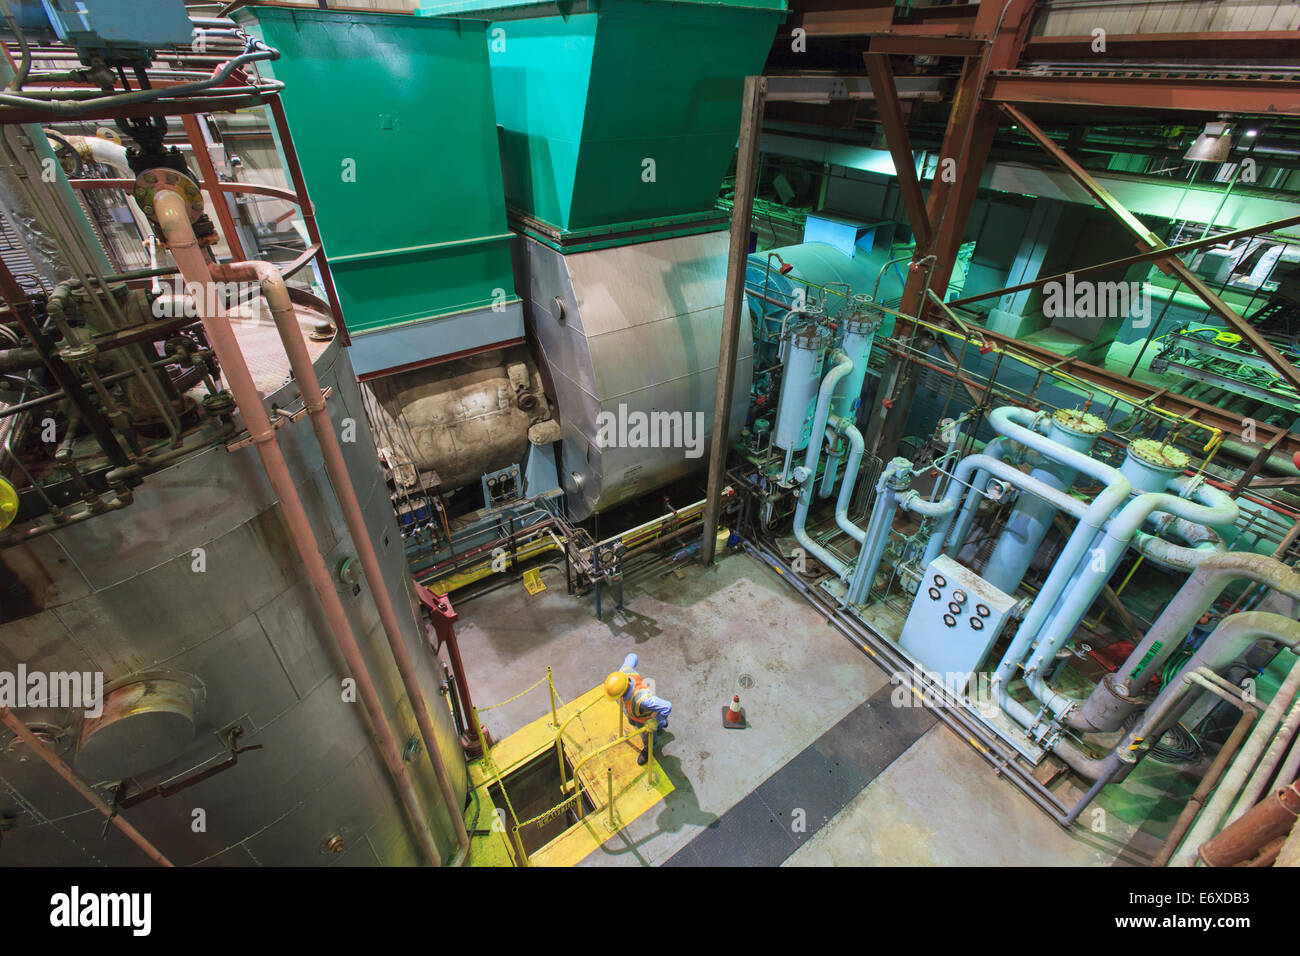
(632, 701)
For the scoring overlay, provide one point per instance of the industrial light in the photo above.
(1252, 132)
(1214, 145)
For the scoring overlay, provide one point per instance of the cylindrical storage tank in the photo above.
(1149, 464)
(805, 357)
(1032, 516)
(193, 605)
(859, 332)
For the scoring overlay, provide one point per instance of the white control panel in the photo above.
(955, 618)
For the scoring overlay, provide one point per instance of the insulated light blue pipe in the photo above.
(897, 475)
(1210, 506)
(856, 450)
(1017, 424)
(807, 475)
(1031, 518)
(858, 334)
(827, 486)
(1062, 576)
(949, 537)
(991, 466)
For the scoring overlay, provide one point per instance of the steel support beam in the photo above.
(1248, 45)
(905, 45)
(220, 202)
(900, 147)
(1150, 240)
(962, 157)
(1199, 92)
(733, 306)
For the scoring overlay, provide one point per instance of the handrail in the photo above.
(650, 761)
(495, 777)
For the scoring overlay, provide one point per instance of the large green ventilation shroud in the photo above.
(392, 119)
(622, 113)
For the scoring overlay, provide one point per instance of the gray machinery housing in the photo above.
(631, 331)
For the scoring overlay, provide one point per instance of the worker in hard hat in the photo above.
(633, 693)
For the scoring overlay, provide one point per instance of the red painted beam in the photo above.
(1249, 45)
(1200, 93)
(900, 147)
(904, 45)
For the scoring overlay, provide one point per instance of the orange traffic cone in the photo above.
(733, 715)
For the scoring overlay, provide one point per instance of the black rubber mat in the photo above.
(795, 802)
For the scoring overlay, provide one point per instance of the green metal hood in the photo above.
(621, 111)
(392, 119)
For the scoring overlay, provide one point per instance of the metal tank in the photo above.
(805, 357)
(193, 604)
(632, 331)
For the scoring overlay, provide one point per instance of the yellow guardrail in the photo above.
(494, 775)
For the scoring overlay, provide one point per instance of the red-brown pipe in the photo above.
(1241, 841)
(172, 213)
(304, 373)
(38, 746)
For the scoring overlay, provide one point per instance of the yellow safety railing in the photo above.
(574, 798)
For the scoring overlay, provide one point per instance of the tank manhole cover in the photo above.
(746, 681)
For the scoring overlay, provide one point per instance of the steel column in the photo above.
(733, 308)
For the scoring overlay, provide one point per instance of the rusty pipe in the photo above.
(38, 746)
(304, 373)
(1243, 839)
(172, 212)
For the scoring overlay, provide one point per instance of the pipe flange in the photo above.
(82, 352)
(861, 325)
(150, 182)
(1078, 421)
(1158, 453)
(813, 338)
(219, 403)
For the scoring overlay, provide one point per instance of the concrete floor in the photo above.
(940, 805)
(703, 634)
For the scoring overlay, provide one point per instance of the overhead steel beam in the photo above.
(900, 147)
(733, 306)
(1153, 255)
(1200, 92)
(1236, 44)
(1150, 240)
(798, 88)
(904, 45)
(967, 141)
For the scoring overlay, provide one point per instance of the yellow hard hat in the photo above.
(616, 685)
(9, 504)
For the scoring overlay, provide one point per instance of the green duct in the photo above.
(623, 113)
(391, 116)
